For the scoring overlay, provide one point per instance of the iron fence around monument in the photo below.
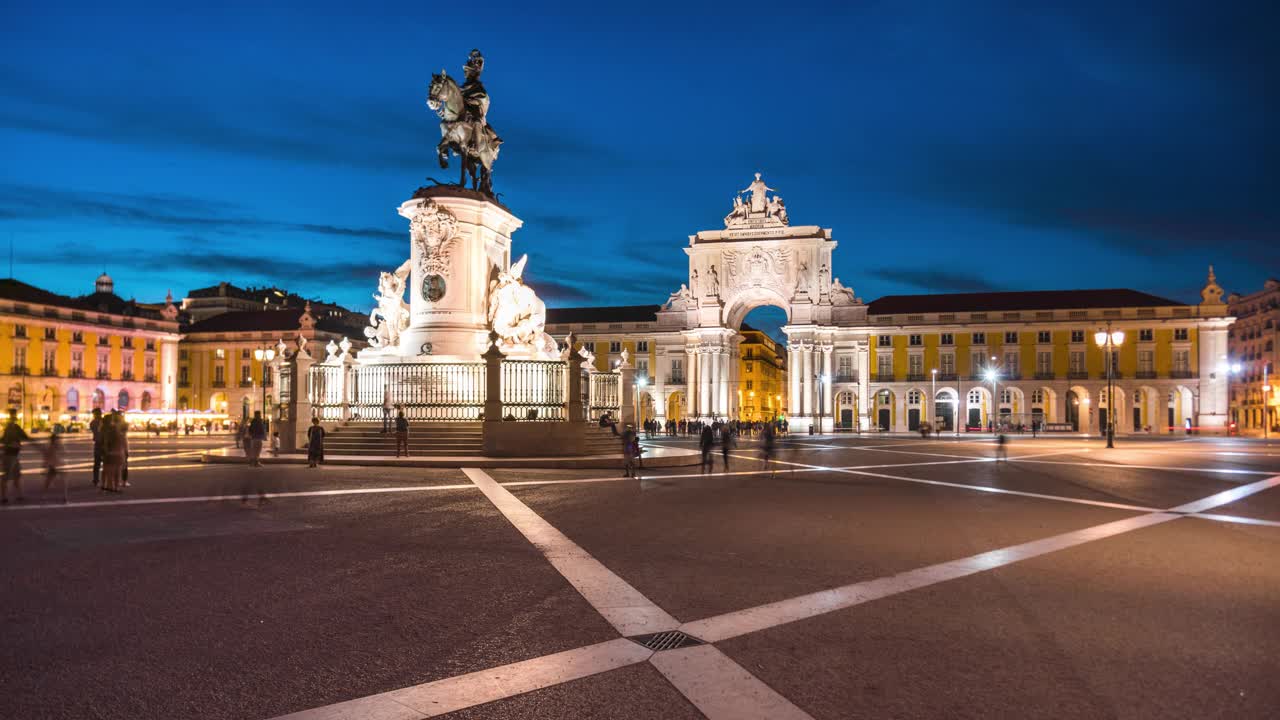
(604, 394)
(534, 389)
(440, 392)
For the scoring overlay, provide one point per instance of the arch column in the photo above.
(793, 380)
(864, 385)
(828, 396)
(806, 381)
(723, 389)
(705, 378)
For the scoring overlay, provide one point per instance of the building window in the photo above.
(20, 331)
(219, 375)
(150, 369)
(1182, 361)
(1037, 397)
(151, 345)
(244, 353)
(1076, 361)
(1011, 364)
(220, 353)
(979, 338)
(1077, 336)
(977, 361)
(182, 354)
(50, 361)
(50, 333)
(246, 375)
(884, 366)
(1011, 338)
(915, 340)
(77, 337)
(103, 365)
(677, 368)
(642, 346)
(1006, 397)
(975, 397)
(1044, 336)
(1146, 335)
(1044, 363)
(844, 367)
(615, 347)
(1146, 361)
(948, 362)
(77, 363)
(750, 385)
(913, 397)
(126, 365)
(1180, 334)
(915, 365)
(948, 339)
(750, 367)
(19, 360)
(642, 367)
(182, 376)
(885, 341)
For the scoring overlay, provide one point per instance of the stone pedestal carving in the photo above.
(459, 240)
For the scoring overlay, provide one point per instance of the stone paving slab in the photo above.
(1172, 621)
(715, 546)
(288, 607)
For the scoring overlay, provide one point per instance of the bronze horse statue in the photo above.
(473, 141)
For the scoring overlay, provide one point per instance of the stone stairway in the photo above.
(426, 439)
(438, 439)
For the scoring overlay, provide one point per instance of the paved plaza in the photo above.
(855, 577)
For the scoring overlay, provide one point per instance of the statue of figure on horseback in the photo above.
(464, 130)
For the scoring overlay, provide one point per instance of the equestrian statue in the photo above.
(464, 130)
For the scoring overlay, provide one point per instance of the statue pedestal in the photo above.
(459, 240)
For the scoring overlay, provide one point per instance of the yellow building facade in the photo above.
(762, 377)
(61, 356)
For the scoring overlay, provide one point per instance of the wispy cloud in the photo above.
(187, 213)
(937, 280)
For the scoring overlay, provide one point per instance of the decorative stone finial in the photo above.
(331, 348)
(345, 345)
(1212, 292)
(280, 347)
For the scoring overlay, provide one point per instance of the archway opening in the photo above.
(761, 374)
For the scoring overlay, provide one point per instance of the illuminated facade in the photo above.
(762, 376)
(61, 357)
(218, 370)
(1253, 341)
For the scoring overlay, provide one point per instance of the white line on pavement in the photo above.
(721, 688)
(1227, 496)
(1122, 466)
(627, 609)
(219, 498)
(464, 691)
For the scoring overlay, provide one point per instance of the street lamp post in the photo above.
(993, 375)
(1110, 339)
(821, 379)
(261, 354)
(933, 398)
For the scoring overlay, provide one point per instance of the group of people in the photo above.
(694, 428)
(725, 435)
(110, 455)
(12, 438)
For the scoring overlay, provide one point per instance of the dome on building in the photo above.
(104, 284)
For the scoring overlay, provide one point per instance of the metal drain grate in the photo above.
(670, 640)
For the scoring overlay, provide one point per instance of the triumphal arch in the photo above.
(759, 258)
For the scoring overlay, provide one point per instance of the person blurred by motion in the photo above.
(705, 441)
(766, 445)
(402, 434)
(13, 437)
(121, 424)
(95, 427)
(53, 463)
(628, 452)
(387, 409)
(257, 436)
(315, 443)
(726, 445)
(1002, 453)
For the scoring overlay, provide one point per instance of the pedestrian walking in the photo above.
(1001, 452)
(53, 463)
(726, 445)
(315, 443)
(402, 434)
(387, 409)
(95, 427)
(766, 447)
(115, 450)
(628, 452)
(12, 438)
(705, 441)
(257, 436)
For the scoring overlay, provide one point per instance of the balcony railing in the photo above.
(149, 378)
(915, 377)
(49, 372)
(184, 383)
(219, 383)
(126, 375)
(244, 383)
(1145, 374)
(1181, 374)
(103, 375)
(847, 377)
(675, 380)
(883, 377)
(1045, 376)
(1077, 375)
(948, 377)
(77, 372)
(1115, 375)
(19, 371)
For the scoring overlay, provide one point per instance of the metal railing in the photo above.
(846, 377)
(424, 391)
(534, 389)
(604, 394)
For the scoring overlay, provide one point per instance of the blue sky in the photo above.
(950, 146)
